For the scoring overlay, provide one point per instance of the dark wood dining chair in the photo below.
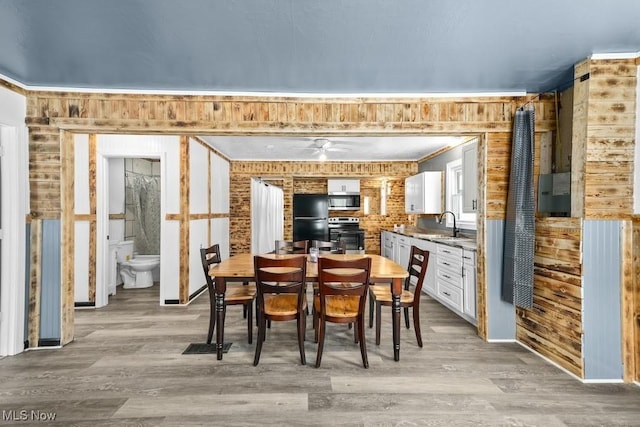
(291, 247)
(342, 294)
(281, 286)
(240, 294)
(332, 247)
(380, 294)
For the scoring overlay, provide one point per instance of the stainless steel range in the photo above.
(347, 229)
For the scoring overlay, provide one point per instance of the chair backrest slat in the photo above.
(209, 256)
(417, 268)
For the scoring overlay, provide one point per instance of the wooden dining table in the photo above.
(239, 268)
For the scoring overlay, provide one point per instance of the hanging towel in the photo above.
(519, 235)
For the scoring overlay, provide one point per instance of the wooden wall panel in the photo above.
(636, 297)
(553, 327)
(609, 141)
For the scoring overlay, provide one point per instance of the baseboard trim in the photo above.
(197, 293)
(84, 304)
(49, 342)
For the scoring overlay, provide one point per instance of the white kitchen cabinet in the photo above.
(403, 250)
(345, 186)
(469, 284)
(387, 244)
(449, 277)
(423, 193)
(470, 178)
(429, 285)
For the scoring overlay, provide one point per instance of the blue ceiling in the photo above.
(310, 46)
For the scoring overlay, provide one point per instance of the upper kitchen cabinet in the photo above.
(343, 186)
(423, 193)
(470, 178)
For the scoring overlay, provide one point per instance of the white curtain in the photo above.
(267, 216)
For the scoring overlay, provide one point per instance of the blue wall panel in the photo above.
(602, 343)
(501, 315)
(50, 291)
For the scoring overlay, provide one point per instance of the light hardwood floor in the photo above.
(126, 367)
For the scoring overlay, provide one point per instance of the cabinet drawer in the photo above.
(469, 258)
(446, 250)
(450, 295)
(452, 264)
(453, 279)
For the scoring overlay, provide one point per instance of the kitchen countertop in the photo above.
(438, 236)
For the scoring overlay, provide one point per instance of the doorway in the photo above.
(110, 220)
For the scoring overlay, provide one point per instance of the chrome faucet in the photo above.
(455, 229)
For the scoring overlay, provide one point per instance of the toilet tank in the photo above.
(125, 251)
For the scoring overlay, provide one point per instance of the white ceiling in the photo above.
(409, 148)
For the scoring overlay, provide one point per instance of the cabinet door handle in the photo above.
(448, 277)
(474, 204)
(447, 294)
(445, 263)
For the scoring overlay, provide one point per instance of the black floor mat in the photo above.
(204, 348)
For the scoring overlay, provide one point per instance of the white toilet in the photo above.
(136, 271)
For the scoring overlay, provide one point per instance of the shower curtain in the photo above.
(146, 204)
(267, 216)
(519, 234)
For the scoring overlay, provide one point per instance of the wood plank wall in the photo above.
(636, 303)
(553, 327)
(50, 112)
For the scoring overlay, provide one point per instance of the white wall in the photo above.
(206, 166)
(13, 108)
(15, 205)
(81, 228)
(116, 199)
(198, 204)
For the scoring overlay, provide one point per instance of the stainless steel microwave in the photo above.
(344, 202)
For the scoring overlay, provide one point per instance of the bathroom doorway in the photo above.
(146, 157)
(134, 191)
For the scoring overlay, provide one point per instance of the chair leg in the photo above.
(406, 317)
(244, 311)
(378, 321)
(315, 325)
(320, 332)
(363, 345)
(261, 333)
(301, 328)
(416, 325)
(355, 334)
(371, 301)
(212, 322)
(249, 309)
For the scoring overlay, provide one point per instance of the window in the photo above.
(455, 190)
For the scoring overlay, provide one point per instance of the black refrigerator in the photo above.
(310, 217)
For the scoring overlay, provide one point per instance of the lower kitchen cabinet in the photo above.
(451, 271)
(429, 284)
(456, 280)
(469, 284)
